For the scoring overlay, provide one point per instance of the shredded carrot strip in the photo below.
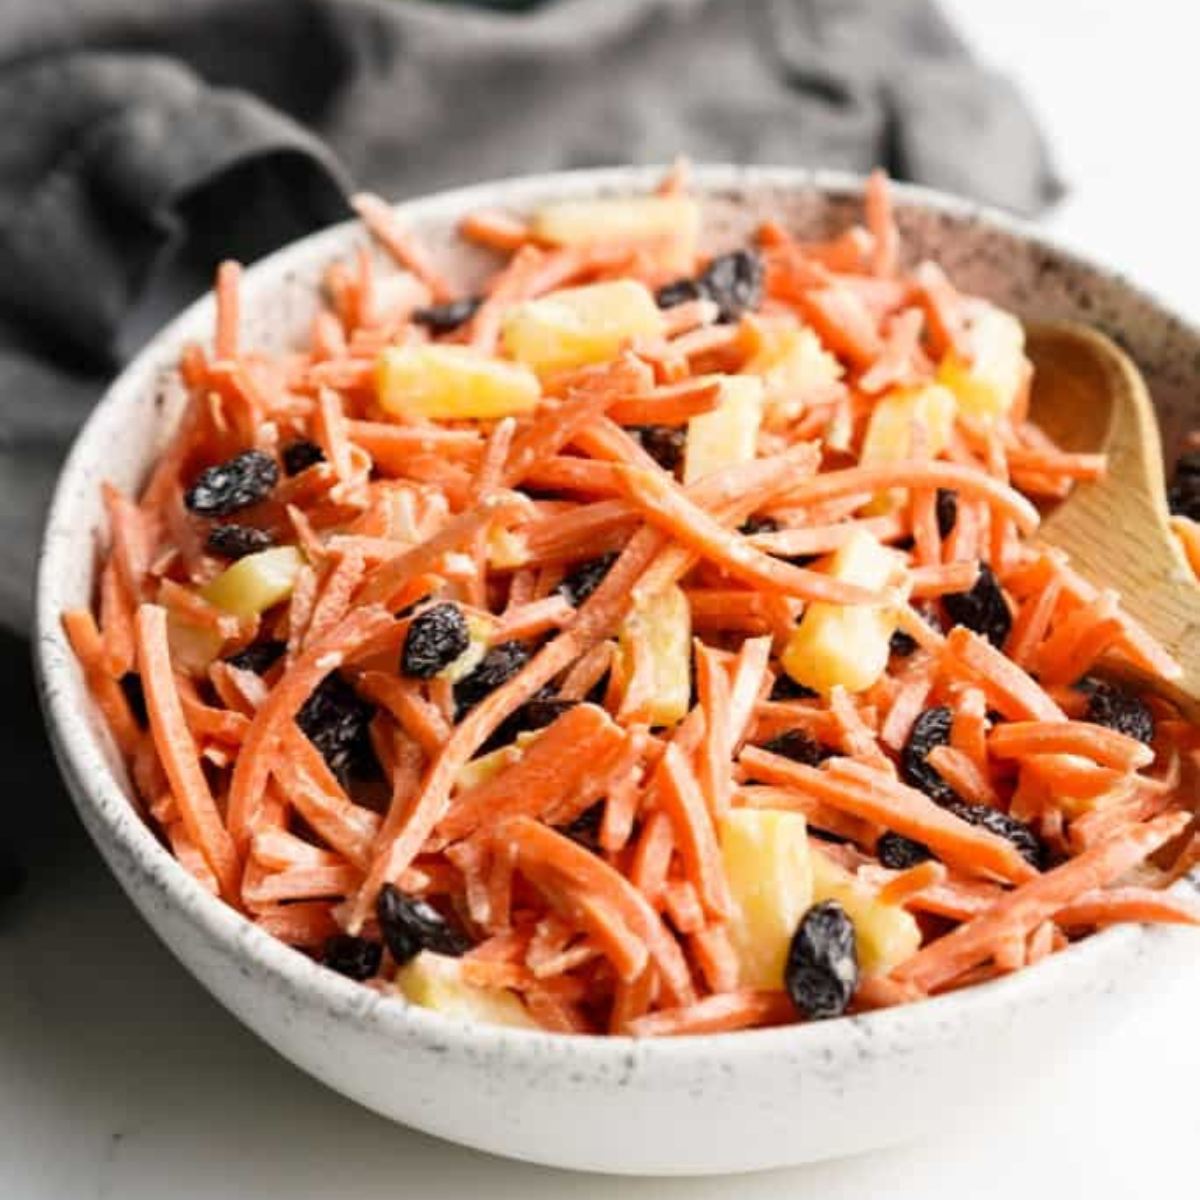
(1007, 687)
(1113, 906)
(539, 844)
(695, 835)
(80, 628)
(387, 580)
(177, 751)
(874, 797)
(963, 775)
(386, 227)
(882, 225)
(1104, 746)
(310, 668)
(912, 882)
(668, 507)
(563, 769)
(495, 230)
(225, 343)
(717, 1014)
(715, 752)
(1039, 899)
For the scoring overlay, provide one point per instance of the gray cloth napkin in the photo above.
(141, 140)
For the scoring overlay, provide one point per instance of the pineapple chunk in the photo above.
(728, 434)
(889, 431)
(577, 326)
(793, 365)
(193, 647)
(618, 220)
(479, 632)
(846, 644)
(435, 981)
(886, 933)
(663, 624)
(766, 860)
(988, 385)
(257, 582)
(480, 770)
(506, 550)
(451, 382)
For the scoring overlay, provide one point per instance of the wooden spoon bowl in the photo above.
(1090, 397)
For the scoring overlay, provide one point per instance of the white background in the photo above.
(119, 1077)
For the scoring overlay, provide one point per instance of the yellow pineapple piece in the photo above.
(577, 326)
(479, 631)
(792, 364)
(506, 550)
(664, 623)
(435, 981)
(846, 645)
(889, 430)
(728, 434)
(988, 384)
(487, 766)
(446, 383)
(257, 582)
(767, 863)
(886, 933)
(193, 647)
(618, 219)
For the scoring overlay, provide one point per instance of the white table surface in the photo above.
(120, 1077)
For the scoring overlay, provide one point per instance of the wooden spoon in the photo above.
(1088, 395)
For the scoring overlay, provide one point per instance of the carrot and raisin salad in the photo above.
(652, 642)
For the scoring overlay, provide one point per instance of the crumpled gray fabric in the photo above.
(141, 140)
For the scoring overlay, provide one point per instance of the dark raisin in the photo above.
(664, 443)
(786, 688)
(1183, 496)
(799, 747)
(822, 962)
(435, 638)
(758, 525)
(259, 657)
(982, 609)
(445, 318)
(236, 541)
(533, 714)
(1120, 710)
(300, 455)
(585, 829)
(946, 508)
(1028, 844)
(410, 925)
(336, 720)
(584, 578)
(735, 282)
(931, 728)
(901, 644)
(135, 697)
(898, 852)
(238, 482)
(496, 667)
(678, 292)
(355, 957)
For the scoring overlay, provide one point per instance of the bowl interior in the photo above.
(982, 253)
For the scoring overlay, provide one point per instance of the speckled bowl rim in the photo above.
(99, 795)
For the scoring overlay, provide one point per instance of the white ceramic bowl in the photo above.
(689, 1106)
